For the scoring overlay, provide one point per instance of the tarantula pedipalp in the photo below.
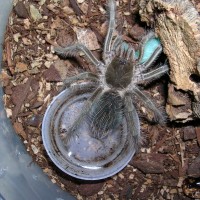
(116, 83)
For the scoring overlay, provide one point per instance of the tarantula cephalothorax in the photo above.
(116, 83)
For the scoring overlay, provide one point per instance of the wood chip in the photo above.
(87, 37)
(8, 56)
(21, 67)
(198, 134)
(20, 10)
(75, 7)
(20, 130)
(21, 100)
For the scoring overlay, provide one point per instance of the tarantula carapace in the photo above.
(115, 84)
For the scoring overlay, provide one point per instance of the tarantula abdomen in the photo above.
(106, 114)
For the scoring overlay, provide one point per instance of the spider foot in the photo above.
(75, 49)
(70, 51)
(124, 50)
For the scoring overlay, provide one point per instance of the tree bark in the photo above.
(177, 24)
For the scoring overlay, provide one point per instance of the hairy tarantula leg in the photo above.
(111, 28)
(116, 43)
(123, 49)
(84, 112)
(130, 54)
(83, 76)
(132, 119)
(158, 116)
(145, 39)
(153, 57)
(72, 51)
(154, 74)
(86, 87)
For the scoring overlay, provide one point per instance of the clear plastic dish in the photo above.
(83, 156)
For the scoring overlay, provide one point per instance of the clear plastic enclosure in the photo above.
(20, 178)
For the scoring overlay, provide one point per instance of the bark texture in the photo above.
(177, 24)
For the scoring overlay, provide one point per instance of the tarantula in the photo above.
(116, 83)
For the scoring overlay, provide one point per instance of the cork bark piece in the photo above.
(177, 24)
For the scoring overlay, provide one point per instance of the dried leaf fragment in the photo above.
(35, 14)
(21, 67)
(87, 37)
(20, 130)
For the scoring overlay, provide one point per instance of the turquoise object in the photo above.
(150, 48)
